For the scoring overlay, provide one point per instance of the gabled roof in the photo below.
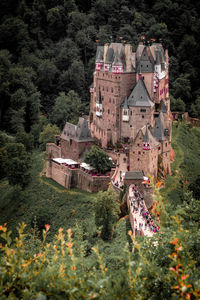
(146, 61)
(158, 130)
(140, 96)
(79, 132)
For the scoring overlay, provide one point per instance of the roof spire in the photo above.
(146, 141)
(125, 106)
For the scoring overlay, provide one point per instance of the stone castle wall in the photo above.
(73, 149)
(71, 178)
(53, 150)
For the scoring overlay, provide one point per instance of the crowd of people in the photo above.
(143, 222)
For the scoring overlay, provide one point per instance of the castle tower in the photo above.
(162, 134)
(115, 83)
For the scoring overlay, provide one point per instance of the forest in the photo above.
(48, 48)
(47, 51)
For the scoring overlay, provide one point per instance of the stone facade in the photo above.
(130, 92)
(71, 178)
(129, 104)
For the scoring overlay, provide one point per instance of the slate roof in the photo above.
(125, 104)
(100, 54)
(117, 61)
(163, 107)
(146, 136)
(79, 132)
(115, 54)
(140, 96)
(134, 175)
(158, 130)
(147, 56)
(149, 138)
(146, 61)
(109, 56)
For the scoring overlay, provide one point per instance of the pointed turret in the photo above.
(99, 58)
(109, 59)
(146, 141)
(125, 111)
(92, 88)
(159, 129)
(117, 66)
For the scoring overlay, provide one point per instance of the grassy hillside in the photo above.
(49, 203)
(186, 166)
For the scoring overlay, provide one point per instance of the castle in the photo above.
(130, 103)
(129, 106)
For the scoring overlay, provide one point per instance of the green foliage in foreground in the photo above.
(77, 263)
(106, 213)
(164, 266)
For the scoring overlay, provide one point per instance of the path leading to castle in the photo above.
(140, 223)
(121, 169)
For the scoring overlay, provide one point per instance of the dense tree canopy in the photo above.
(48, 48)
(106, 213)
(99, 159)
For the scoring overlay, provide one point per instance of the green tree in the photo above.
(106, 213)
(180, 105)
(3, 162)
(195, 108)
(47, 135)
(99, 159)
(66, 109)
(18, 164)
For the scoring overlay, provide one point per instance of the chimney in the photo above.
(106, 46)
(128, 53)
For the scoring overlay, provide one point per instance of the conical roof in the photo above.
(158, 131)
(125, 104)
(146, 135)
(140, 96)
